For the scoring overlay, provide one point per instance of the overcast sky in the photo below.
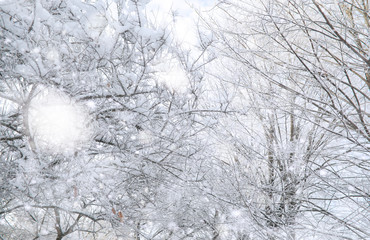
(186, 16)
(181, 17)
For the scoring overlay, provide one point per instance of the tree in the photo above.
(265, 137)
(99, 59)
(304, 68)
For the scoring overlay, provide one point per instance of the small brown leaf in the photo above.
(120, 215)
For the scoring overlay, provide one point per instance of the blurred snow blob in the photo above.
(53, 56)
(173, 76)
(57, 123)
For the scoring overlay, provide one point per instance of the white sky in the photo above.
(181, 17)
(185, 15)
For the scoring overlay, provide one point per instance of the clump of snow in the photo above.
(53, 56)
(236, 213)
(91, 105)
(172, 226)
(44, 232)
(351, 188)
(172, 75)
(27, 207)
(323, 172)
(145, 137)
(133, 137)
(57, 123)
(97, 22)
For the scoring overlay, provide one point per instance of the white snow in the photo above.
(173, 76)
(323, 172)
(52, 55)
(236, 213)
(44, 232)
(27, 207)
(145, 137)
(57, 123)
(91, 105)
